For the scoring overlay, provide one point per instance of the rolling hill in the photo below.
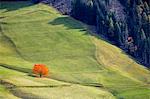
(82, 65)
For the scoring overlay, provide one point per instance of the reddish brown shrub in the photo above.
(40, 69)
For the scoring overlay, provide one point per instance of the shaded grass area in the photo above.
(5, 6)
(5, 94)
(93, 68)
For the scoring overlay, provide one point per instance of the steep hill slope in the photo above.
(82, 65)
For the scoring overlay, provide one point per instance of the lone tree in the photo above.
(40, 69)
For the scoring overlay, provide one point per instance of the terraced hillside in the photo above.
(82, 65)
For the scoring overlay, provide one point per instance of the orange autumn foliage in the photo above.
(40, 69)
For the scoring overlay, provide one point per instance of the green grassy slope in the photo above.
(28, 87)
(81, 65)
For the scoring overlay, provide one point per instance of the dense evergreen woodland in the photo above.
(124, 22)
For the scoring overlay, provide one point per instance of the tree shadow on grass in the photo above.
(71, 23)
(14, 5)
(68, 22)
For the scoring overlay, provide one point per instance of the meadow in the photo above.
(82, 65)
